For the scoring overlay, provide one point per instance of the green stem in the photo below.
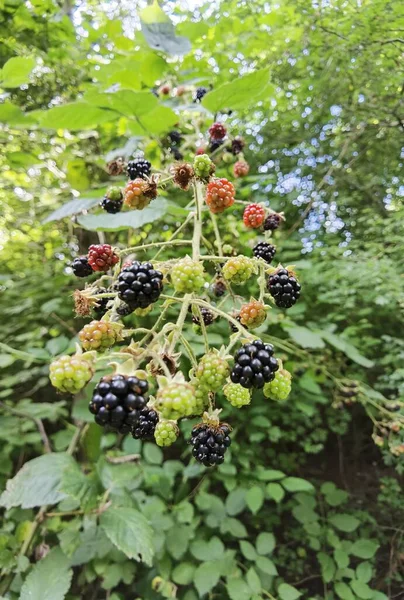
(203, 329)
(196, 240)
(176, 232)
(217, 234)
(180, 321)
(155, 245)
(188, 348)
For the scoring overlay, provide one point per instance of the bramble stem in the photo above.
(217, 234)
(180, 321)
(155, 245)
(176, 232)
(196, 240)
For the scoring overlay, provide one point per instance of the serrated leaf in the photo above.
(275, 491)
(130, 532)
(206, 577)
(75, 116)
(49, 579)
(344, 522)
(254, 498)
(296, 484)
(288, 592)
(16, 71)
(162, 36)
(240, 93)
(305, 337)
(124, 220)
(38, 482)
(364, 548)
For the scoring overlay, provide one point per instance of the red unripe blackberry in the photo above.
(220, 194)
(200, 150)
(81, 267)
(102, 257)
(118, 401)
(241, 168)
(210, 443)
(254, 215)
(165, 89)
(272, 222)
(217, 131)
(146, 424)
(139, 284)
(254, 365)
(139, 168)
(265, 251)
(284, 288)
(135, 196)
(237, 145)
(112, 201)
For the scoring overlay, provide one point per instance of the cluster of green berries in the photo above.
(238, 269)
(237, 395)
(100, 335)
(176, 400)
(187, 276)
(212, 372)
(203, 167)
(279, 388)
(166, 433)
(70, 374)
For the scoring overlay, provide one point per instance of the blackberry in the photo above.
(237, 145)
(272, 222)
(166, 433)
(284, 288)
(279, 388)
(102, 257)
(254, 365)
(175, 137)
(237, 395)
(199, 93)
(210, 443)
(118, 401)
(176, 400)
(212, 372)
(207, 317)
(254, 216)
(233, 328)
(215, 144)
(219, 288)
(112, 201)
(81, 267)
(100, 335)
(252, 314)
(176, 153)
(146, 424)
(239, 269)
(70, 373)
(187, 275)
(139, 284)
(265, 251)
(139, 168)
(217, 131)
(100, 308)
(220, 194)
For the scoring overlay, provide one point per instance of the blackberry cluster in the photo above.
(139, 284)
(207, 317)
(146, 424)
(139, 168)
(272, 222)
(210, 443)
(81, 267)
(118, 401)
(254, 365)
(199, 93)
(265, 251)
(284, 288)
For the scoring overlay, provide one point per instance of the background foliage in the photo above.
(306, 505)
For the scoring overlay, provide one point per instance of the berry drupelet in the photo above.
(254, 365)
(139, 284)
(265, 251)
(210, 443)
(139, 168)
(118, 401)
(284, 288)
(146, 424)
(81, 267)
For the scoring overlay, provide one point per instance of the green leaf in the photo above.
(238, 589)
(241, 93)
(49, 579)
(93, 543)
(124, 220)
(327, 566)
(75, 116)
(341, 558)
(343, 591)
(183, 573)
(362, 590)
(153, 454)
(12, 114)
(270, 475)
(305, 337)
(235, 502)
(38, 482)
(266, 565)
(161, 36)
(347, 348)
(253, 580)
(254, 498)
(159, 120)
(364, 548)
(84, 488)
(206, 551)
(206, 577)
(265, 543)
(275, 491)
(296, 484)
(130, 532)
(344, 522)
(16, 71)
(288, 592)
(248, 550)
(364, 572)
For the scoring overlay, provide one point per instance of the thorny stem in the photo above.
(189, 350)
(180, 321)
(217, 234)
(203, 329)
(155, 245)
(196, 240)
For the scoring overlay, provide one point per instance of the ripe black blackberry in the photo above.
(112, 201)
(175, 137)
(138, 168)
(207, 317)
(233, 328)
(284, 288)
(176, 153)
(210, 443)
(199, 93)
(139, 284)
(219, 288)
(215, 144)
(254, 365)
(118, 401)
(101, 308)
(265, 251)
(237, 145)
(124, 309)
(144, 429)
(81, 267)
(272, 222)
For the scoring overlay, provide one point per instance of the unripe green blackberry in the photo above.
(100, 335)
(279, 388)
(237, 395)
(166, 433)
(187, 276)
(201, 396)
(203, 167)
(238, 269)
(70, 373)
(212, 372)
(176, 400)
